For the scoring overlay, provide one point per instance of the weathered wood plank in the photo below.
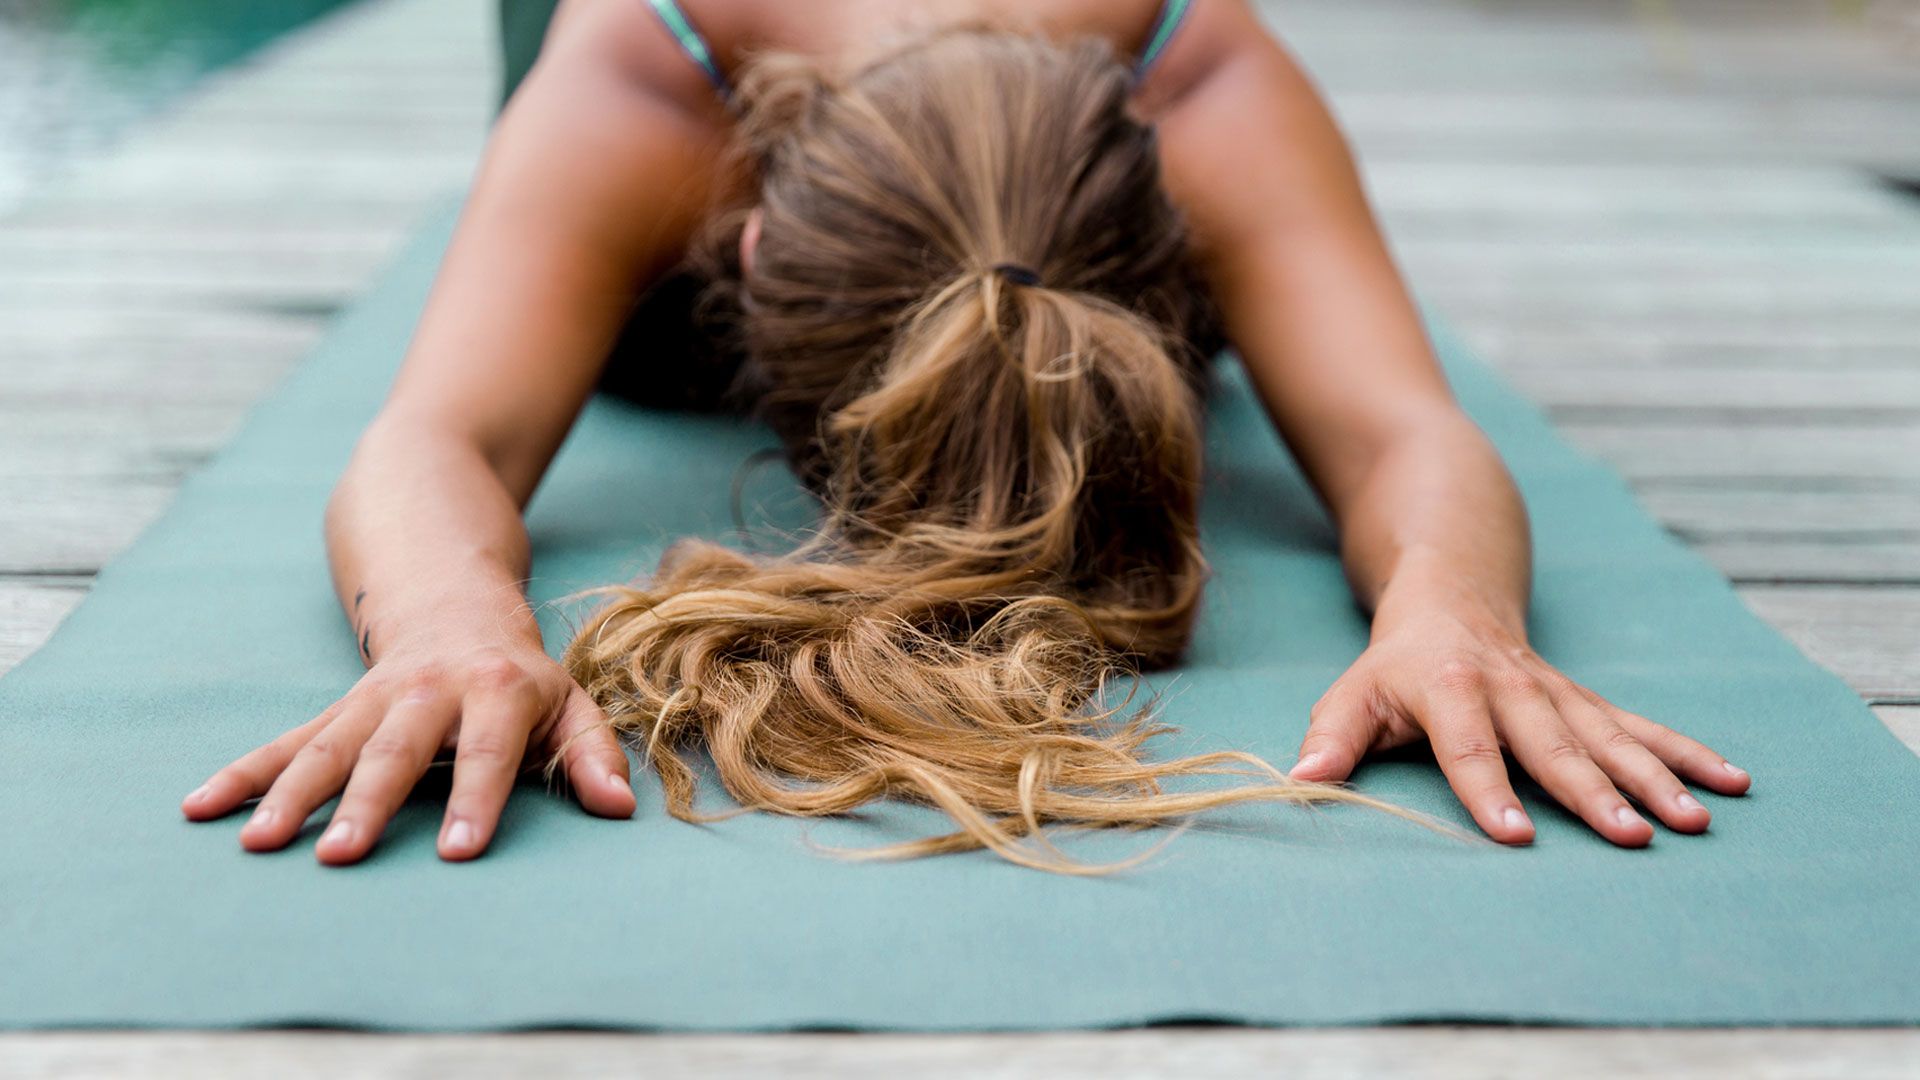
(1653, 286)
(1897, 302)
(145, 375)
(98, 440)
(269, 126)
(27, 246)
(1688, 195)
(1469, 61)
(344, 211)
(1726, 510)
(1869, 637)
(297, 285)
(1760, 534)
(234, 326)
(151, 366)
(1784, 251)
(428, 93)
(193, 177)
(1708, 389)
(1814, 331)
(58, 525)
(30, 611)
(130, 387)
(1665, 449)
(1903, 721)
(1521, 146)
(135, 266)
(1608, 266)
(1861, 563)
(1732, 349)
(1595, 49)
(1663, 117)
(1573, 148)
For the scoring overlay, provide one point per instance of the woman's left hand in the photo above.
(1472, 687)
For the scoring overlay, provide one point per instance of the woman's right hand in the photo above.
(495, 707)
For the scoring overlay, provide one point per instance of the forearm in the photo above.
(427, 545)
(428, 553)
(1436, 524)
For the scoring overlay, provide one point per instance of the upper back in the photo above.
(1142, 30)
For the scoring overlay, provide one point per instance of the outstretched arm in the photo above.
(591, 184)
(1434, 535)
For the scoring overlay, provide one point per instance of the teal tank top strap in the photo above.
(1171, 14)
(691, 43)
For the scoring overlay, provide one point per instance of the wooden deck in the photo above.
(1664, 221)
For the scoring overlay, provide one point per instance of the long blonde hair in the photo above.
(1009, 469)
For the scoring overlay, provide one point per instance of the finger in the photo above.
(1560, 762)
(1690, 759)
(1341, 731)
(1460, 727)
(392, 761)
(596, 766)
(317, 771)
(496, 720)
(1632, 767)
(250, 775)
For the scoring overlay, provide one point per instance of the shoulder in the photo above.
(1215, 38)
(623, 44)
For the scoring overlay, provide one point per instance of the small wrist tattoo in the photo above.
(363, 629)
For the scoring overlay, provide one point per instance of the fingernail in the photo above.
(618, 783)
(261, 818)
(199, 793)
(1732, 769)
(1687, 802)
(340, 832)
(460, 835)
(1513, 819)
(1625, 816)
(1305, 764)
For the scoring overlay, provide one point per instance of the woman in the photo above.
(971, 291)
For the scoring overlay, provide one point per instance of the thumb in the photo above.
(1341, 731)
(595, 764)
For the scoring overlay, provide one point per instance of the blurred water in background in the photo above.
(75, 73)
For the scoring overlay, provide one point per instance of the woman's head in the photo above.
(1055, 422)
(1009, 462)
(937, 162)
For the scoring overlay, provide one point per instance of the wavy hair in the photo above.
(1008, 466)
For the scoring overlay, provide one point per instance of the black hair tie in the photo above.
(1018, 274)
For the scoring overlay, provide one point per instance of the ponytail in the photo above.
(1008, 464)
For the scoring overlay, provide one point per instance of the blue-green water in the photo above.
(74, 74)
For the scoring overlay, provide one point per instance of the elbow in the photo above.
(1436, 452)
(1443, 429)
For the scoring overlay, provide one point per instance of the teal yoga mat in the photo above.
(218, 630)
